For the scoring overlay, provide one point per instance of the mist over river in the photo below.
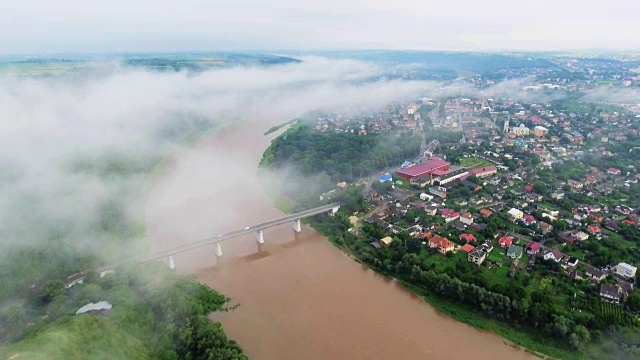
(300, 297)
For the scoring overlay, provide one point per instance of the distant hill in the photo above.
(51, 65)
(199, 62)
(442, 62)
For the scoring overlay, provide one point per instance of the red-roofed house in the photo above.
(443, 245)
(447, 212)
(613, 171)
(528, 219)
(485, 212)
(533, 248)
(450, 215)
(505, 241)
(528, 188)
(468, 238)
(467, 248)
(594, 229)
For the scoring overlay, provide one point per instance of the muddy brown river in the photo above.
(299, 297)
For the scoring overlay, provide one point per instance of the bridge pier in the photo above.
(297, 227)
(260, 237)
(219, 248)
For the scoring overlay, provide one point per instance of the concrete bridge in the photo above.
(257, 229)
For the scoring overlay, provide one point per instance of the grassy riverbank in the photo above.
(278, 127)
(541, 347)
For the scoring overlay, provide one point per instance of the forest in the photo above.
(155, 315)
(342, 156)
(308, 163)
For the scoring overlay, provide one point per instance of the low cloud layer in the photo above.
(77, 150)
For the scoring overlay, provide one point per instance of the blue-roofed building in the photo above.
(576, 133)
(405, 164)
(386, 177)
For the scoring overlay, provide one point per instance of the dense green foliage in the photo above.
(155, 315)
(341, 156)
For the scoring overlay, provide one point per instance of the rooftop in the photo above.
(422, 168)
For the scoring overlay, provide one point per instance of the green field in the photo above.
(497, 255)
(498, 275)
(474, 162)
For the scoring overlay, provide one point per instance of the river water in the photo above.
(299, 297)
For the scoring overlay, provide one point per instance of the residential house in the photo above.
(485, 212)
(595, 273)
(505, 241)
(613, 171)
(612, 225)
(487, 246)
(477, 256)
(575, 184)
(466, 218)
(515, 214)
(533, 197)
(580, 235)
(594, 229)
(553, 254)
(528, 219)
(450, 215)
(467, 248)
(546, 227)
(431, 210)
(386, 241)
(394, 229)
(597, 217)
(533, 248)
(468, 238)
(570, 261)
(557, 195)
(610, 293)
(426, 197)
(625, 270)
(441, 244)
(514, 252)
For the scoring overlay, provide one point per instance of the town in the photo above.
(538, 196)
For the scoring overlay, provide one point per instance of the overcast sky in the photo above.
(44, 26)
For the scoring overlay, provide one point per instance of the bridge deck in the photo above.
(237, 233)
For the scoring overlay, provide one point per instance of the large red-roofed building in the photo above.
(423, 169)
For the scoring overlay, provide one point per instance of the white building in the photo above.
(515, 214)
(625, 270)
(426, 197)
(521, 130)
(466, 219)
